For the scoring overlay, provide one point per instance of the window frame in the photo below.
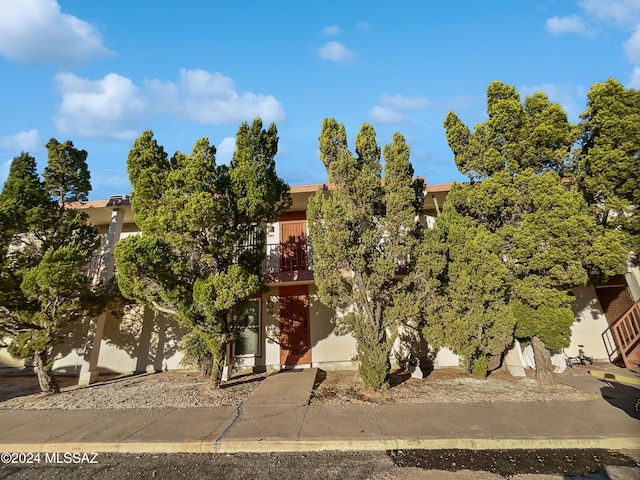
(258, 301)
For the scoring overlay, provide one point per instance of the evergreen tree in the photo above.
(537, 238)
(364, 234)
(607, 160)
(203, 233)
(44, 247)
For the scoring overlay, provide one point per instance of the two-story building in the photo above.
(289, 324)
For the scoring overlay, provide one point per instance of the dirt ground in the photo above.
(447, 385)
(179, 389)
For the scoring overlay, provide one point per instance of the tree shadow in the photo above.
(23, 382)
(242, 380)
(147, 338)
(398, 377)
(624, 397)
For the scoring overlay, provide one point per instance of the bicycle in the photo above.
(580, 359)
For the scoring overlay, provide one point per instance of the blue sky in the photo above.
(99, 73)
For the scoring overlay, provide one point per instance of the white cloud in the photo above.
(619, 12)
(224, 151)
(331, 30)
(632, 46)
(26, 141)
(36, 31)
(386, 115)
(113, 107)
(211, 99)
(108, 108)
(336, 52)
(390, 108)
(569, 24)
(635, 79)
(400, 102)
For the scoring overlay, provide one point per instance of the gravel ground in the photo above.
(177, 389)
(173, 389)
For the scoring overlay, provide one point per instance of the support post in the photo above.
(89, 371)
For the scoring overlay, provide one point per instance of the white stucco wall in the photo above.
(446, 358)
(139, 341)
(7, 361)
(633, 280)
(332, 346)
(589, 324)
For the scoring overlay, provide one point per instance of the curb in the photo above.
(611, 443)
(616, 377)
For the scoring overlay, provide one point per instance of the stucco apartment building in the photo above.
(289, 327)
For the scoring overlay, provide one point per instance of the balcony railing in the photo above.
(280, 257)
(288, 257)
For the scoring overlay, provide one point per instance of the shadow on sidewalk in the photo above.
(624, 397)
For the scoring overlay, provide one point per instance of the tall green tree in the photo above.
(364, 234)
(468, 309)
(203, 233)
(607, 160)
(44, 247)
(538, 239)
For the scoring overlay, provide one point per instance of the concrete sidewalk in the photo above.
(277, 418)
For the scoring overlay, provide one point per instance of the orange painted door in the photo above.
(293, 245)
(295, 334)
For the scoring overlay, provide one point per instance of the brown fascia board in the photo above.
(438, 187)
(431, 188)
(309, 188)
(89, 204)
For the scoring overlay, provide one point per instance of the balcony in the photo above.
(288, 262)
(284, 262)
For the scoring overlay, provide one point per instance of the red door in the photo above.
(295, 334)
(293, 244)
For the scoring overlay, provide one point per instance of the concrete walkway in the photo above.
(277, 418)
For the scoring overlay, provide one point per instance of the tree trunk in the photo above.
(218, 349)
(47, 381)
(544, 368)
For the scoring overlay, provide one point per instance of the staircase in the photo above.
(622, 338)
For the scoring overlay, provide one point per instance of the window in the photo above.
(248, 343)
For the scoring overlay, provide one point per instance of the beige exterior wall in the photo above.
(332, 346)
(7, 361)
(140, 341)
(588, 325)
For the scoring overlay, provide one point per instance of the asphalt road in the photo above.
(407, 465)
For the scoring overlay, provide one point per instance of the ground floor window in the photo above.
(248, 343)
